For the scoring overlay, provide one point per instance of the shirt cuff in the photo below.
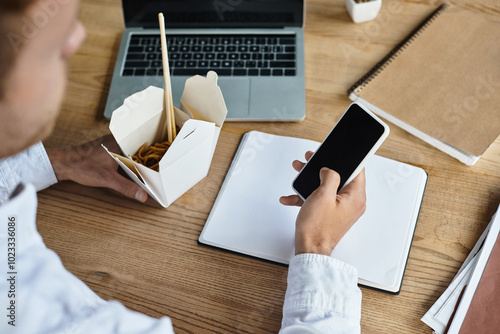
(30, 166)
(323, 282)
(48, 177)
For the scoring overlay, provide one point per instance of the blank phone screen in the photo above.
(343, 150)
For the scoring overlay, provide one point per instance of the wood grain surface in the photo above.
(148, 258)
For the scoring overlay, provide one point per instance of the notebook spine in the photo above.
(396, 51)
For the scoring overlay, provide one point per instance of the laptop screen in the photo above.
(214, 13)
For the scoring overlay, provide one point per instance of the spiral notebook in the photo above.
(247, 217)
(441, 83)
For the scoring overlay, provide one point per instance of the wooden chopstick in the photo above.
(169, 105)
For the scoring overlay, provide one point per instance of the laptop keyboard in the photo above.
(242, 55)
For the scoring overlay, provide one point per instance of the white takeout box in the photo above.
(140, 119)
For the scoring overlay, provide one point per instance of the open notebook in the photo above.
(247, 217)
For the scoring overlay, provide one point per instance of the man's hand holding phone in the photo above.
(326, 216)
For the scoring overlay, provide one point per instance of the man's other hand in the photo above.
(90, 165)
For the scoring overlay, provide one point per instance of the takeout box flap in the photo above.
(210, 105)
(128, 166)
(138, 120)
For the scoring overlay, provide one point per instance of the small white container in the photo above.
(364, 11)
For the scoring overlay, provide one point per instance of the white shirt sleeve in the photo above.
(322, 296)
(30, 166)
(39, 296)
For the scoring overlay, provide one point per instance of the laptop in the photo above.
(255, 46)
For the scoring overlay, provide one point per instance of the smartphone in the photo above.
(355, 137)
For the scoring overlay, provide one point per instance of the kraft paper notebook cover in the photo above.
(441, 83)
(247, 217)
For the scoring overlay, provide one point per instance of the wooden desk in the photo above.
(148, 258)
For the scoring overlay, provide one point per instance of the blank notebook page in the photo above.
(248, 218)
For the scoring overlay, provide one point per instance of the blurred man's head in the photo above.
(36, 39)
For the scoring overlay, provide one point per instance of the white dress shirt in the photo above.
(38, 295)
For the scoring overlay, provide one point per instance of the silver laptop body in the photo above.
(261, 74)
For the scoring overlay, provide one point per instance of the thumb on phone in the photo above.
(329, 180)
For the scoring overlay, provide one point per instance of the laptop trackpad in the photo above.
(236, 92)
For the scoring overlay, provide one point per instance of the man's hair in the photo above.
(9, 11)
